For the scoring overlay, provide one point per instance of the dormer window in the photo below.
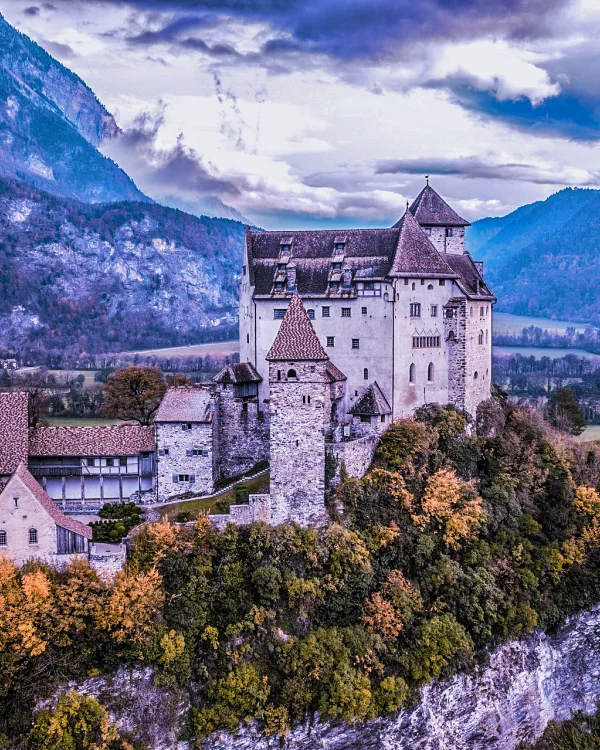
(281, 266)
(279, 286)
(339, 247)
(336, 266)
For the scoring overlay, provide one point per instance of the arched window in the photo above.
(430, 372)
(366, 373)
(292, 374)
(412, 375)
(414, 286)
(480, 337)
(2, 538)
(475, 375)
(451, 336)
(430, 286)
(33, 536)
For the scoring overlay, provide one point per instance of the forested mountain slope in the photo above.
(95, 278)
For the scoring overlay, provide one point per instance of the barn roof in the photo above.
(14, 423)
(59, 518)
(102, 440)
(430, 209)
(296, 339)
(188, 403)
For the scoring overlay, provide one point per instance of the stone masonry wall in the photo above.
(478, 372)
(457, 355)
(454, 244)
(173, 443)
(298, 417)
(355, 456)
(243, 434)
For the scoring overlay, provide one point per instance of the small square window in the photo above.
(405, 282)
(422, 282)
(311, 314)
(442, 282)
(184, 477)
(363, 310)
(166, 452)
(278, 314)
(187, 426)
(330, 340)
(449, 231)
(427, 230)
(356, 343)
(415, 310)
(325, 312)
(110, 462)
(91, 461)
(346, 312)
(123, 461)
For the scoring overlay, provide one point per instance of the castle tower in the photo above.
(298, 383)
(444, 227)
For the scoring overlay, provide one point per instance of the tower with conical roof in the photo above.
(299, 416)
(444, 227)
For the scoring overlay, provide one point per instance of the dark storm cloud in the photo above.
(33, 10)
(61, 51)
(475, 168)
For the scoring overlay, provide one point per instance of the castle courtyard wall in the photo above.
(174, 444)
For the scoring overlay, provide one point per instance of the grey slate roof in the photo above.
(470, 280)
(371, 403)
(296, 339)
(240, 372)
(189, 403)
(430, 209)
(416, 255)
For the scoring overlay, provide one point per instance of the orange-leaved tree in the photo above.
(134, 393)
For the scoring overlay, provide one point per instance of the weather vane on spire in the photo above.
(427, 178)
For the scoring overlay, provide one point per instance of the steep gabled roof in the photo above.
(371, 403)
(334, 374)
(240, 372)
(101, 440)
(471, 280)
(430, 209)
(296, 339)
(47, 503)
(188, 403)
(13, 430)
(415, 254)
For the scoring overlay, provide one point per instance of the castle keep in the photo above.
(341, 332)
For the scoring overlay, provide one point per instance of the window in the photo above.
(425, 342)
(91, 461)
(16, 499)
(123, 461)
(356, 343)
(187, 426)
(346, 312)
(339, 247)
(311, 314)
(183, 477)
(278, 286)
(2, 538)
(110, 462)
(430, 372)
(365, 418)
(383, 417)
(325, 312)
(414, 286)
(33, 538)
(405, 282)
(427, 230)
(415, 310)
(434, 311)
(475, 375)
(449, 313)
(306, 399)
(449, 231)
(471, 312)
(243, 270)
(330, 340)
(442, 282)
(451, 336)
(412, 373)
(481, 313)
(292, 374)
(480, 338)
(196, 452)
(278, 314)
(366, 373)
(363, 310)
(422, 282)
(247, 338)
(429, 287)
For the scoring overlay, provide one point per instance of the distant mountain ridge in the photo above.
(544, 258)
(77, 277)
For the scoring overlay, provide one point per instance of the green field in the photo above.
(195, 350)
(81, 421)
(507, 323)
(539, 351)
(197, 504)
(591, 432)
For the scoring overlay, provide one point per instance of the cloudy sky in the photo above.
(330, 112)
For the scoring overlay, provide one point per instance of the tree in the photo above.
(134, 393)
(78, 722)
(564, 412)
(178, 379)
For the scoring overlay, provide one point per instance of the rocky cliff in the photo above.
(526, 684)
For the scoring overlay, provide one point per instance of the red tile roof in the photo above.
(50, 506)
(188, 403)
(104, 440)
(334, 374)
(430, 209)
(13, 430)
(296, 339)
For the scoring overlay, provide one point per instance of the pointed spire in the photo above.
(296, 339)
(430, 209)
(415, 253)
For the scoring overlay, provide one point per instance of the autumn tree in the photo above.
(564, 412)
(134, 393)
(177, 380)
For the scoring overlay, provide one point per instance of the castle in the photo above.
(341, 332)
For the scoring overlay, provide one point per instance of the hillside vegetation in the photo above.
(544, 259)
(449, 545)
(78, 277)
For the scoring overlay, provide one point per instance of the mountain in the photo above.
(78, 277)
(209, 205)
(51, 124)
(544, 258)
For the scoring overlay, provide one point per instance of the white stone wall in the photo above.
(243, 433)
(17, 518)
(172, 437)
(454, 244)
(355, 456)
(298, 419)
